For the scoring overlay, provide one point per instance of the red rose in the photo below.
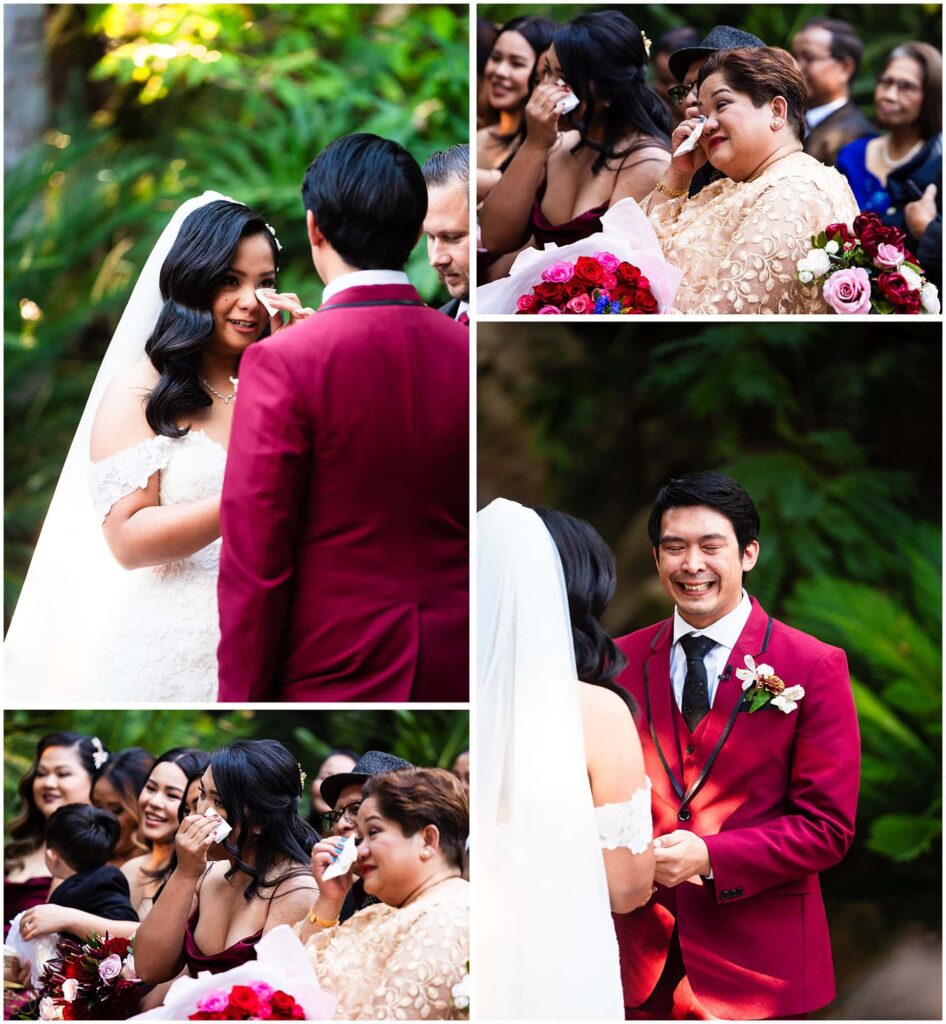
(117, 945)
(589, 270)
(298, 1013)
(527, 304)
(552, 293)
(895, 288)
(839, 232)
(873, 233)
(626, 294)
(646, 302)
(627, 272)
(242, 997)
(281, 1002)
(574, 288)
(609, 280)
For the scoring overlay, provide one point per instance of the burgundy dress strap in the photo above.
(233, 956)
(585, 224)
(19, 896)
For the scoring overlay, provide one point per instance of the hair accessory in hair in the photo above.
(647, 43)
(99, 753)
(272, 231)
(302, 776)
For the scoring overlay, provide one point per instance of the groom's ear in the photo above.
(316, 237)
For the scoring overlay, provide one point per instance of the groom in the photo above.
(344, 567)
(749, 806)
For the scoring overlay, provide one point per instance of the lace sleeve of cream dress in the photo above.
(737, 243)
(628, 824)
(114, 478)
(390, 963)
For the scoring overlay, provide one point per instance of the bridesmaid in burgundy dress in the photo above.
(222, 897)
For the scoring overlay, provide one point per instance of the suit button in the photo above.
(684, 815)
(690, 748)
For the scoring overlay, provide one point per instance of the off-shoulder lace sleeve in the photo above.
(628, 824)
(113, 478)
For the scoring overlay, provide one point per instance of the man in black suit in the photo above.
(829, 52)
(447, 225)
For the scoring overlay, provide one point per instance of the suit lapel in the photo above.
(659, 710)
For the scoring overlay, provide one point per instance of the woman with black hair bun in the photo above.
(546, 696)
(576, 162)
(127, 583)
(224, 895)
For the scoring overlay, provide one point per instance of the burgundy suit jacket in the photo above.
(344, 571)
(774, 796)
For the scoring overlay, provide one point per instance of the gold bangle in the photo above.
(320, 921)
(671, 193)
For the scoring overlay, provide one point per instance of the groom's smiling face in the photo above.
(700, 564)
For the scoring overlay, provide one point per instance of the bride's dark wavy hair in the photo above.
(602, 57)
(260, 785)
(590, 577)
(191, 275)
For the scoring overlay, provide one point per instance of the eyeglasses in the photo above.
(678, 93)
(901, 85)
(329, 820)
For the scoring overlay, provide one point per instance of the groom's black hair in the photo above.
(369, 199)
(714, 490)
(590, 577)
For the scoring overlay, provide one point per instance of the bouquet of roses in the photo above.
(598, 284)
(256, 1001)
(91, 980)
(867, 267)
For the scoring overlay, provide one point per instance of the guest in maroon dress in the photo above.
(222, 897)
(574, 165)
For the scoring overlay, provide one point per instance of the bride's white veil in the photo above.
(545, 942)
(57, 626)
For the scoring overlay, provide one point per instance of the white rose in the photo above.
(806, 277)
(48, 1010)
(929, 298)
(801, 266)
(913, 279)
(819, 262)
(70, 989)
(832, 247)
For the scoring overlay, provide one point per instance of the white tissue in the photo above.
(345, 859)
(263, 294)
(689, 143)
(36, 951)
(567, 103)
(223, 828)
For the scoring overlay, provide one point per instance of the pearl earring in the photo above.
(777, 123)
(425, 854)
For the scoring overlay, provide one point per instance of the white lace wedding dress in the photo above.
(162, 639)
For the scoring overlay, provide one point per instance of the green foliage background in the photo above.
(425, 738)
(834, 428)
(156, 103)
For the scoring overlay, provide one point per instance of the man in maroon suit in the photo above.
(344, 573)
(750, 738)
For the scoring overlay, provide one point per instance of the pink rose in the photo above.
(848, 291)
(215, 1001)
(70, 989)
(560, 271)
(888, 256)
(550, 311)
(262, 990)
(110, 967)
(608, 260)
(580, 304)
(527, 304)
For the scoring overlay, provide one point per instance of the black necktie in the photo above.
(695, 689)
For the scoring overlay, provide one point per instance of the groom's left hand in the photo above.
(680, 855)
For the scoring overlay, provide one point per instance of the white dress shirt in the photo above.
(724, 631)
(361, 278)
(816, 115)
(464, 307)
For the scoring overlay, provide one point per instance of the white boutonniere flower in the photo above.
(764, 686)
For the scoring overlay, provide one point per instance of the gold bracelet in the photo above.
(320, 921)
(672, 193)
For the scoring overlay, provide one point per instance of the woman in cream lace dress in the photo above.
(737, 241)
(126, 585)
(564, 805)
(399, 959)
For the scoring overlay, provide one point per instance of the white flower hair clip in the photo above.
(99, 753)
(272, 231)
(647, 44)
(766, 686)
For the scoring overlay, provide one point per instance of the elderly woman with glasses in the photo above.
(899, 174)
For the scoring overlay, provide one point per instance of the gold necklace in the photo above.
(226, 399)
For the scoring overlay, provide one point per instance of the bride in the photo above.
(120, 599)
(562, 794)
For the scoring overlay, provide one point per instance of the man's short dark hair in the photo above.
(83, 835)
(448, 167)
(676, 39)
(717, 492)
(369, 199)
(845, 42)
